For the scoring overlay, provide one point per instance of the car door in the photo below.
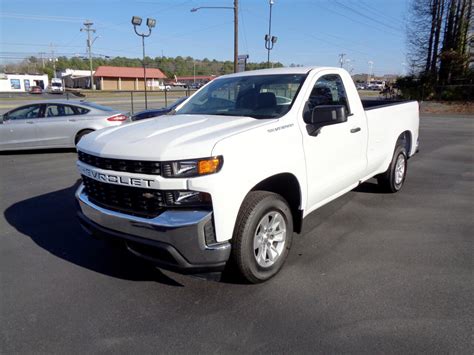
(59, 125)
(336, 156)
(19, 129)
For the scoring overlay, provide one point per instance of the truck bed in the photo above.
(373, 104)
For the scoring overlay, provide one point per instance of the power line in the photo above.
(356, 21)
(336, 2)
(379, 13)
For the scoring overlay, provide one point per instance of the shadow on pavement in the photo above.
(50, 221)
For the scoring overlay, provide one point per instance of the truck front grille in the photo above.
(135, 201)
(131, 166)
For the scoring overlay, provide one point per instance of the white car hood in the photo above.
(173, 137)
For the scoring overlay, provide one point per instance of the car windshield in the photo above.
(98, 107)
(257, 96)
(57, 84)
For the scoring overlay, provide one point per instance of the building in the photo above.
(127, 78)
(73, 78)
(22, 82)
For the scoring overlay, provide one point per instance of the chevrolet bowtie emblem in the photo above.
(148, 195)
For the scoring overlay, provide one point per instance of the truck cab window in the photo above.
(329, 90)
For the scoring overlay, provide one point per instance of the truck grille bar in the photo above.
(131, 166)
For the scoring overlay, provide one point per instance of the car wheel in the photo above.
(82, 134)
(392, 180)
(262, 236)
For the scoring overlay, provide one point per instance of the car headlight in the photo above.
(192, 168)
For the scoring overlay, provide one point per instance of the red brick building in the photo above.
(127, 78)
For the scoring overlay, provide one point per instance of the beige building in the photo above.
(127, 78)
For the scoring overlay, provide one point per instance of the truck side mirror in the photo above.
(323, 115)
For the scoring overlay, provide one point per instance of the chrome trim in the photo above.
(168, 219)
(183, 230)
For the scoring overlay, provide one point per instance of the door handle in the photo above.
(72, 120)
(29, 122)
(355, 130)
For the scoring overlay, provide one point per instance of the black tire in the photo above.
(82, 134)
(388, 181)
(259, 205)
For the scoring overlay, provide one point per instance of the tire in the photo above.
(82, 134)
(392, 180)
(262, 236)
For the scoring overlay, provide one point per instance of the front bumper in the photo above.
(174, 240)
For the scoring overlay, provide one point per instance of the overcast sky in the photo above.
(310, 32)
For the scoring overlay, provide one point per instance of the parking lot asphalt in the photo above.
(371, 272)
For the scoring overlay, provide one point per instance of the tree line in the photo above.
(440, 40)
(171, 66)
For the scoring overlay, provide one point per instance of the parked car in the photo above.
(36, 90)
(159, 111)
(54, 124)
(233, 174)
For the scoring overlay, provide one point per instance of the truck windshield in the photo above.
(257, 96)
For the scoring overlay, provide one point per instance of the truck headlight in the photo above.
(192, 168)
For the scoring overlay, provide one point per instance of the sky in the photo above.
(310, 32)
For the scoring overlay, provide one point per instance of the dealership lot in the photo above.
(370, 273)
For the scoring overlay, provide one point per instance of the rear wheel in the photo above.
(82, 134)
(262, 237)
(392, 180)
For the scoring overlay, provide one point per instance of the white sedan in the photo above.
(54, 124)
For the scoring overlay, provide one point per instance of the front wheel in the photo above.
(262, 237)
(392, 180)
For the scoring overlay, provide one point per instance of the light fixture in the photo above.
(136, 20)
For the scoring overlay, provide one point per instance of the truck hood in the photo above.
(173, 137)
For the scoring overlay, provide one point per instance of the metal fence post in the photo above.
(166, 97)
(131, 99)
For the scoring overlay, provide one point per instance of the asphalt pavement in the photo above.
(371, 273)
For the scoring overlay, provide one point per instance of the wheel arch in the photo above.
(81, 131)
(287, 186)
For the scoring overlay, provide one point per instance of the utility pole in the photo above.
(341, 59)
(236, 27)
(236, 34)
(42, 58)
(88, 24)
(371, 69)
(53, 58)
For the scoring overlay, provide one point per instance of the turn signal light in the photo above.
(208, 166)
(117, 118)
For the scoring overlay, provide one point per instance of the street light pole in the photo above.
(236, 27)
(269, 39)
(137, 21)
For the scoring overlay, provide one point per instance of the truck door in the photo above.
(336, 156)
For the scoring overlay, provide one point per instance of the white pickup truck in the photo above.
(230, 176)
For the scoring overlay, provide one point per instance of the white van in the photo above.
(56, 86)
